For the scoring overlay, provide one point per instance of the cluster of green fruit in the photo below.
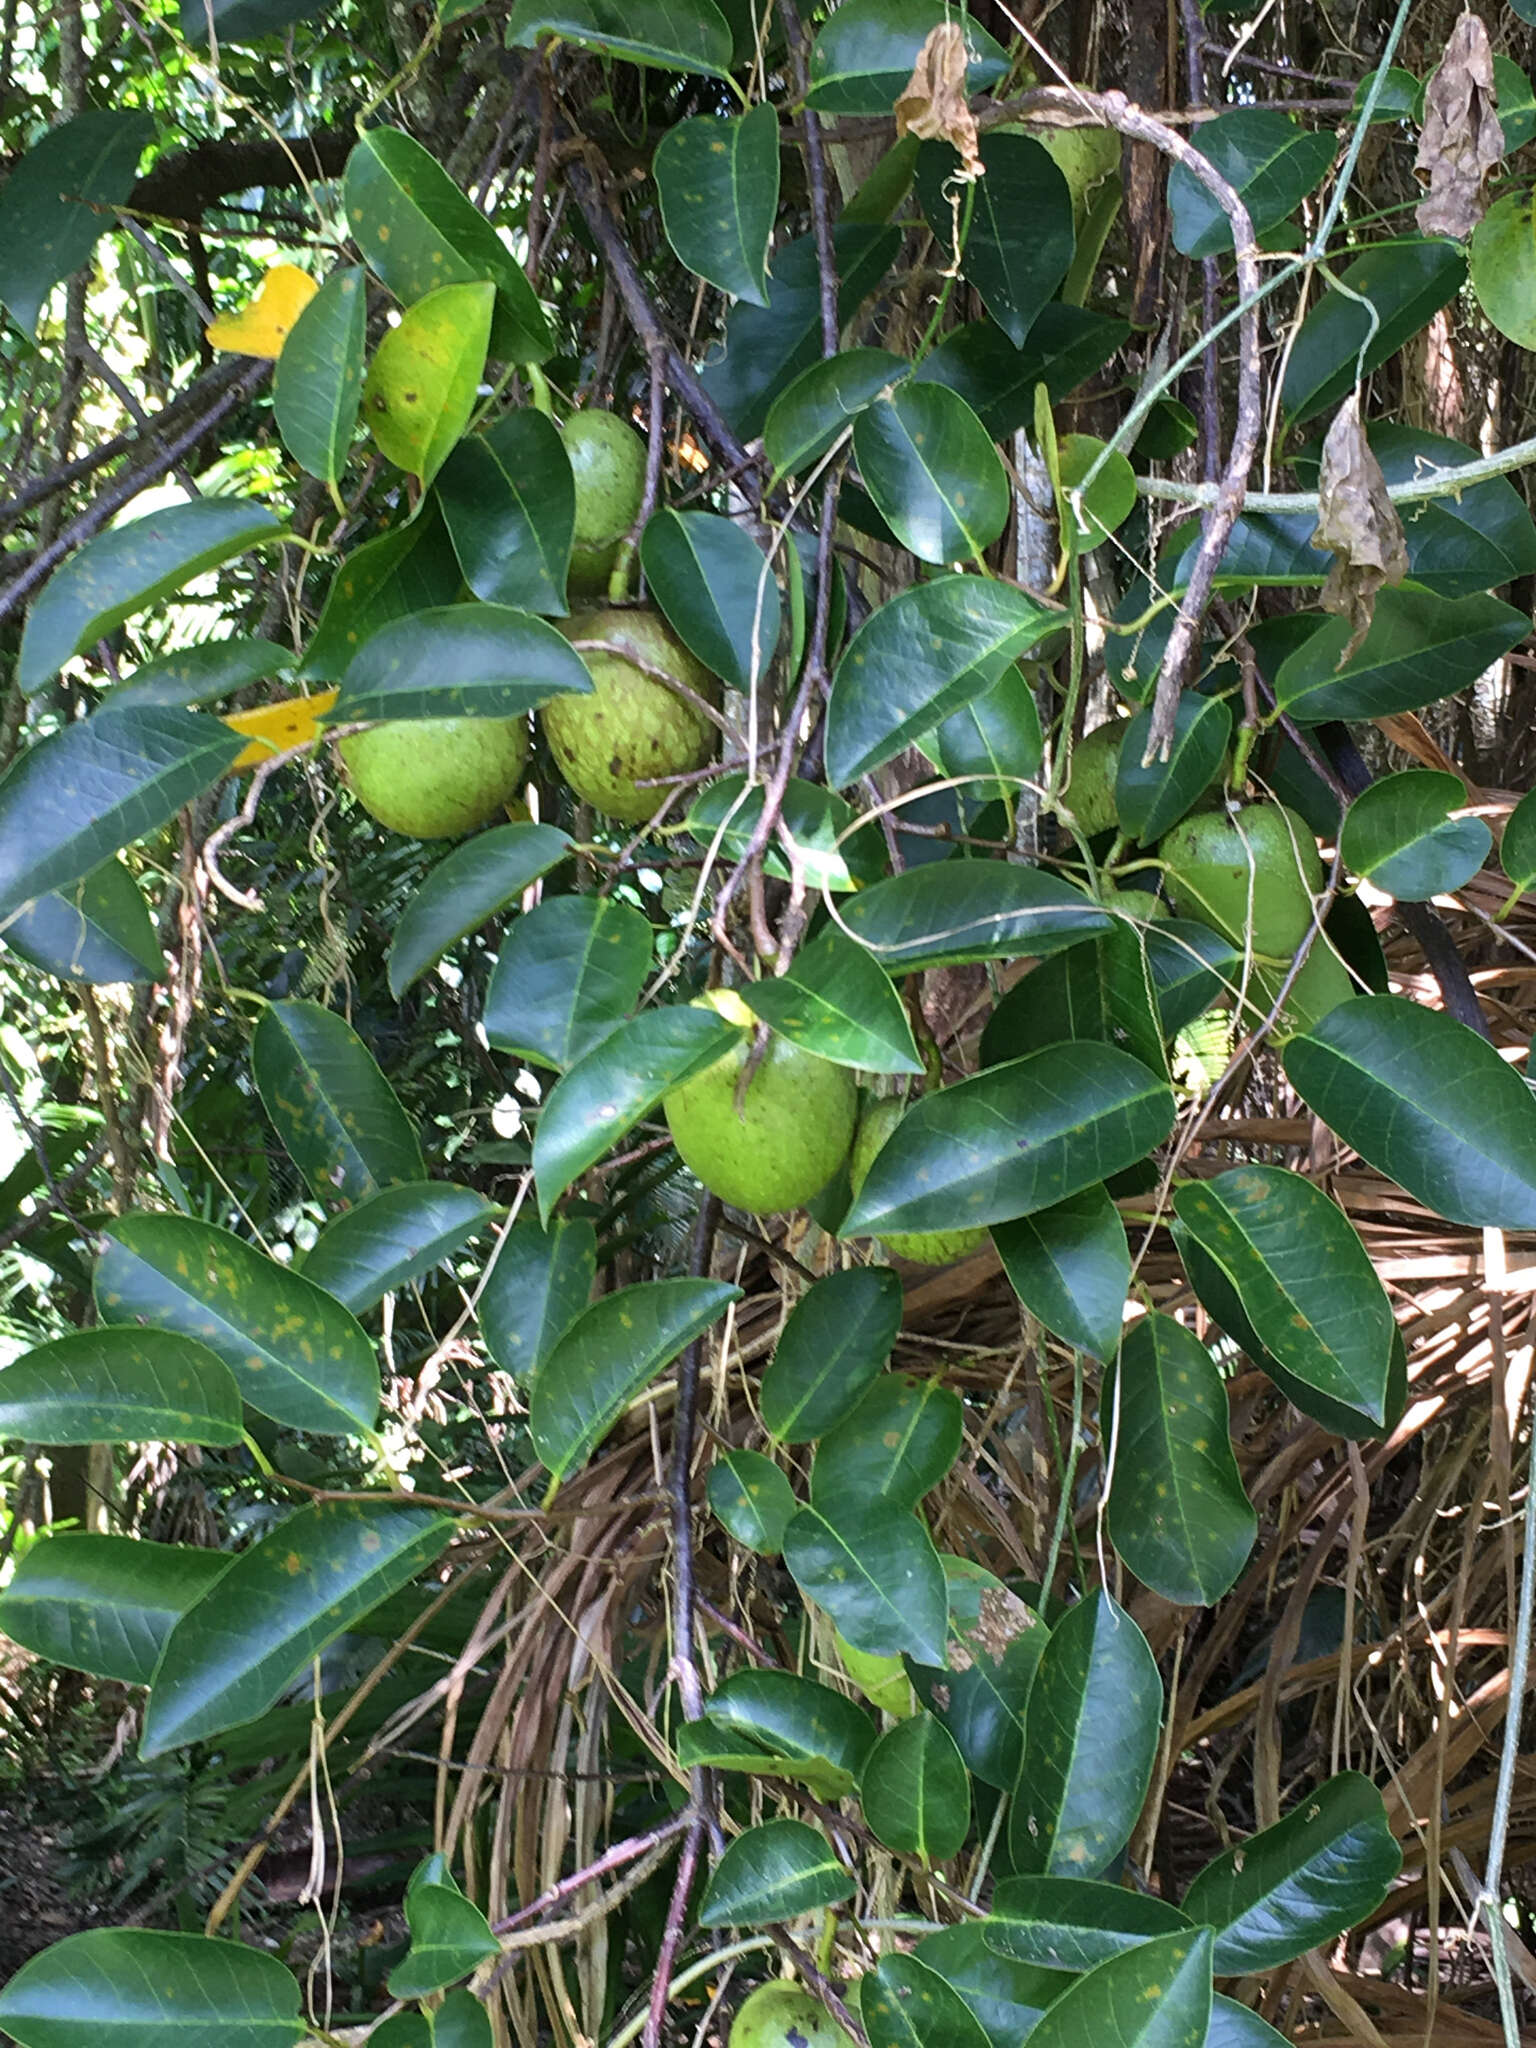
(1251, 871)
(437, 778)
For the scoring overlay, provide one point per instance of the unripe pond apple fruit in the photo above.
(435, 778)
(793, 1130)
(783, 2016)
(608, 465)
(632, 727)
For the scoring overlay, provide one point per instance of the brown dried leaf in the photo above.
(1358, 523)
(934, 105)
(1461, 140)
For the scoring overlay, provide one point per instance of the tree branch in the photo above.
(183, 185)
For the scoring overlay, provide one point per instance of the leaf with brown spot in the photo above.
(1461, 140)
(1358, 522)
(934, 106)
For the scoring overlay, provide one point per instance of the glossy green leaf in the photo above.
(619, 1081)
(203, 672)
(1101, 991)
(1236, 2026)
(1070, 1265)
(97, 930)
(411, 570)
(1006, 1997)
(994, 1651)
(863, 55)
(1072, 1923)
(905, 2004)
(945, 912)
(1302, 1275)
(120, 1386)
(295, 1591)
(1064, 347)
(393, 1238)
(1320, 1870)
(767, 347)
(425, 376)
(1154, 1996)
(1406, 282)
(1457, 546)
(317, 386)
(752, 1499)
(897, 1445)
(508, 499)
(834, 851)
(461, 2021)
(876, 1573)
(1516, 103)
(1090, 1737)
(340, 1121)
(58, 202)
(1220, 1300)
(104, 1604)
(469, 886)
(839, 1004)
(449, 1934)
(297, 1355)
(129, 568)
(915, 1792)
(773, 1872)
(933, 473)
(1503, 267)
(925, 653)
(823, 402)
(718, 181)
(1091, 511)
(1269, 160)
(1400, 835)
(1012, 1140)
(1150, 801)
(1427, 1102)
(674, 35)
(995, 740)
(570, 969)
(797, 1720)
(1020, 241)
(74, 799)
(418, 231)
(717, 589)
(1419, 648)
(1189, 965)
(134, 1987)
(1177, 1514)
(539, 1282)
(242, 21)
(836, 1340)
(608, 1355)
(1517, 848)
(407, 2029)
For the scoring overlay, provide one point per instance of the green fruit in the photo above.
(631, 726)
(1322, 984)
(781, 2015)
(608, 464)
(791, 1134)
(1216, 857)
(1089, 793)
(435, 778)
(922, 1247)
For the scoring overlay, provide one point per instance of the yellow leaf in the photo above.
(261, 328)
(274, 728)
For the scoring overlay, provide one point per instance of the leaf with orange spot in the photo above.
(425, 376)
